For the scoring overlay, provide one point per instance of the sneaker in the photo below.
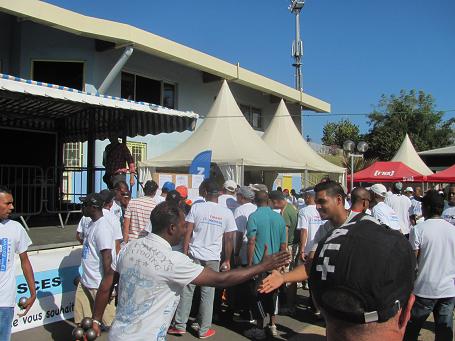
(273, 330)
(175, 331)
(195, 326)
(208, 334)
(255, 333)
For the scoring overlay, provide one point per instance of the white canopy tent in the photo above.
(408, 155)
(283, 136)
(235, 146)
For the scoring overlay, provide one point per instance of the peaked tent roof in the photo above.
(390, 171)
(408, 155)
(283, 136)
(447, 175)
(227, 133)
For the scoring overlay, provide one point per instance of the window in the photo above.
(72, 154)
(252, 115)
(138, 150)
(69, 74)
(142, 89)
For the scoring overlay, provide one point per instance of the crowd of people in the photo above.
(377, 263)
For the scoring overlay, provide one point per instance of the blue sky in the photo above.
(354, 50)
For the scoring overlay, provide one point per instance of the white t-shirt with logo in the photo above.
(152, 278)
(116, 209)
(435, 240)
(310, 220)
(386, 215)
(13, 240)
(98, 236)
(449, 214)
(241, 215)
(110, 217)
(416, 207)
(401, 205)
(229, 201)
(211, 221)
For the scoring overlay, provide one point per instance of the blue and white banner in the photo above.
(201, 164)
(55, 271)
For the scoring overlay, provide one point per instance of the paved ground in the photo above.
(301, 327)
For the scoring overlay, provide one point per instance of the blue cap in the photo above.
(168, 186)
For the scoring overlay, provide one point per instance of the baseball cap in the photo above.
(183, 191)
(230, 185)
(246, 192)
(398, 185)
(168, 186)
(379, 189)
(173, 196)
(276, 195)
(409, 189)
(93, 199)
(107, 195)
(363, 272)
(259, 187)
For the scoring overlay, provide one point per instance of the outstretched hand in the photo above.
(271, 282)
(275, 261)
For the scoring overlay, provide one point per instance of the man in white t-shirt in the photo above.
(434, 243)
(98, 254)
(449, 212)
(207, 225)
(228, 198)
(108, 197)
(382, 212)
(13, 240)
(152, 278)
(308, 223)
(245, 197)
(401, 204)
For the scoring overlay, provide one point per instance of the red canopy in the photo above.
(391, 171)
(447, 175)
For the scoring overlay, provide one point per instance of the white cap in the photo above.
(379, 189)
(230, 185)
(409, 189)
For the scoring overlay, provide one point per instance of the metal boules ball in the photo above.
(78, 334)
(90, 334)
(86, 323)
(22, 302)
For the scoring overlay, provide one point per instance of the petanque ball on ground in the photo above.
(78, 334)
(90, 334)
(22, 302)
(86, 323)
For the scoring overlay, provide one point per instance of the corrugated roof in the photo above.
(439, 151)
(120, 34)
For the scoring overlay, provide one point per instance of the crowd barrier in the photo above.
(55, 271)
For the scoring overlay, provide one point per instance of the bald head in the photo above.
(360, 199)
(262, 198)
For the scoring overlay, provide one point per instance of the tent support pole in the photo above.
(305, 181)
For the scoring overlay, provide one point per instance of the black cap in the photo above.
(173, 196)
(363, 272)
(107, 195)
(276, 195)
(93, 199)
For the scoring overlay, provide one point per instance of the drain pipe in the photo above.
(115, 70)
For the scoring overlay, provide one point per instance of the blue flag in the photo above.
(201, 164)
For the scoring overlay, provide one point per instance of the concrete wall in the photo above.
(28, 41)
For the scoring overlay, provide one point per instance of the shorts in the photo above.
(263, 304)
(84, 302)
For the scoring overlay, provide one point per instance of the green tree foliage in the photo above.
(410, 112)
(335, 133)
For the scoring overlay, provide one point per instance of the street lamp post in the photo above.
(349, 147)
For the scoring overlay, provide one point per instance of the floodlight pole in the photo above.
(297, 45)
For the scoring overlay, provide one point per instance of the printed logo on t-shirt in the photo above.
(214, 220)
(3, 254)
(85, 251)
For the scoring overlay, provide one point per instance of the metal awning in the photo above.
(76, 114)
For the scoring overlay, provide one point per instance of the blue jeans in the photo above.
(442, 309)
(205, 307)
(6, 318)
